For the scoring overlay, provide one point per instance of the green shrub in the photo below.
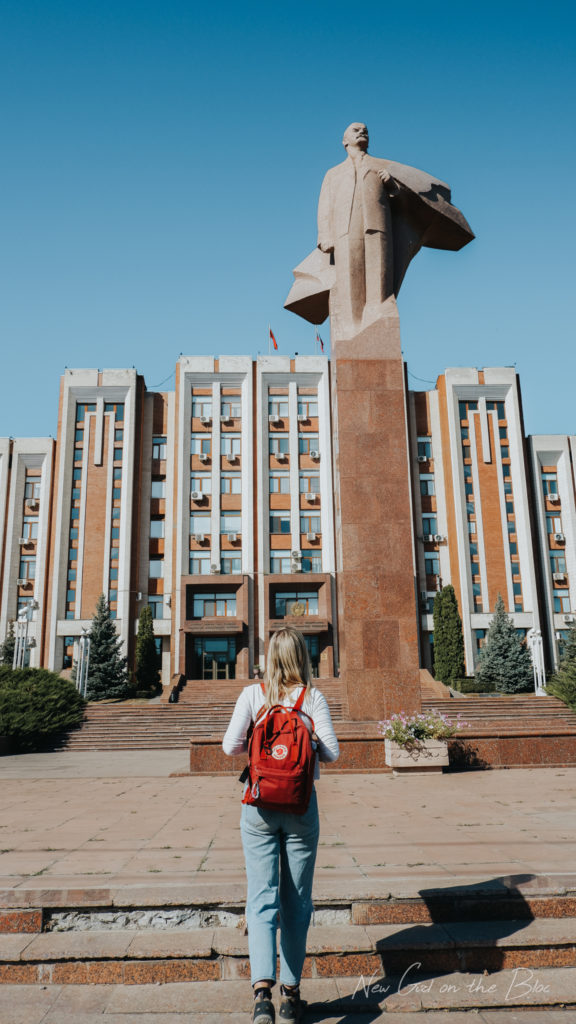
(472, 685)
(35, 704)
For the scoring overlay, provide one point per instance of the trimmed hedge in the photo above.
(472, 685)
(35, 704)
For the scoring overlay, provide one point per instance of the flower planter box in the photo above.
(429, 756)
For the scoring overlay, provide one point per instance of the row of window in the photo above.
(278, 405)
(231, 444)
(231, 483)
(231, 522)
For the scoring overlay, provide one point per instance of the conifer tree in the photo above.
(147, 666)
(107, 671)
(563, 683)
(505, 662)
(8, 647)
(448, 638)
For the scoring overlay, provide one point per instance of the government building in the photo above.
(214, 505)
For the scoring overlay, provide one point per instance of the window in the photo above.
(200, 444)
(32, 489)
(309, 482)
(472, 526)
(307, 443)
(231, 407)
(279, 482)
(280, 561)
(278, 443)
(158, 447)
(231, 483)
(432, 564)
(310, 523)
(291, 602)
(201, 482)
(470, 506)
(503, 433)
(307, 406)
(202, 406)
(557, 561)
(68, 651)
(278, 406)
(513, 546)
(113, 553)
(425, 447)
(467, 470)
(549, 483)
(200, 564)
(119, 411)
(200, 522)
(214, 604)
(74, 533)
(511, 526)
(465, 433)
(230, 444)
(157, 528)
(280, 522)
(517, 589)
(113, 574)
(429, 525)
(231, 522)
(30, 527)
(116, 494)
(118, 435)
(476, 591)
(79, 434)
(117, 472)
(473, 550)
(78, 454)
(427, 484)
(117, 455)
(505, 451)
(553, 524)
(156, 568)
(158, 489)
(27, 569)
(230, 566)
(562, 601)
(312, 562)
(480, 635)
(313, 645)
(156, 605)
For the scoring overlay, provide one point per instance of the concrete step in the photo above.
(136, 956)
(457, 998)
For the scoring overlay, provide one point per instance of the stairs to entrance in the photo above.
(459, 949)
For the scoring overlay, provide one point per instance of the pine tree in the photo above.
(107, 671)
(505, 662)
(8, 647)
(147, 665)
(563, 683)
(448, 638)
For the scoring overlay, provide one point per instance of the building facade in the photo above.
(214, 504)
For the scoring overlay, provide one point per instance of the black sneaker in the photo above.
(291, 1006)
(263, 1012)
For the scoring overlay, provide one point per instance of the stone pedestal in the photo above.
(377, 613)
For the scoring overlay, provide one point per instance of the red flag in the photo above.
(273, 339)
(319, 339)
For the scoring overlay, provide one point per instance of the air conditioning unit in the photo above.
(232, 537)
(302, 417)
(438, 538)
(428, 538)
(32, 641)
(568, 618)
(214, 569)
(197, 495)
(422, 458)
(205, 420)
(33, 503)
(314, 454)
(199, 538)
(231, 456)
(281, 456)
(424, 596)
(553, 496)
(310, 496)
(295, 554)
(273, 418)
(558, 576)
(311, 536)
(21, 583)
(25, 540)
(559, 538)
(203, 457)
(224, 419)
(296, 566)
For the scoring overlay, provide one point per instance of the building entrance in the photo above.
(214, 658)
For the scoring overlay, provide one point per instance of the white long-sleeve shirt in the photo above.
(315, 705)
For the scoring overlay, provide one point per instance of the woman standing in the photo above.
(279, 846)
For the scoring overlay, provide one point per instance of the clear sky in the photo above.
(162, 162)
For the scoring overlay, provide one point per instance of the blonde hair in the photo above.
(288, 665)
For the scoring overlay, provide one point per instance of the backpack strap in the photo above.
(300, 701)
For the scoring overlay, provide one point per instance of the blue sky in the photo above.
(162, 163)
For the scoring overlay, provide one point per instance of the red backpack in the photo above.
(281, 770)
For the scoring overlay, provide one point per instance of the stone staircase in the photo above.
(464, 948)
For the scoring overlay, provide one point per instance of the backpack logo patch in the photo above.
(279, 752)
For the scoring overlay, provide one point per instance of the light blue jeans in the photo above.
(280, 853)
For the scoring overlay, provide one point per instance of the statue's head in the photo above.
(356, 134)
